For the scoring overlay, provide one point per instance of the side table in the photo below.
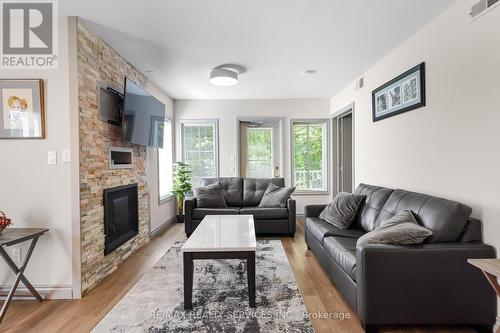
(491, 270)
(12, 236)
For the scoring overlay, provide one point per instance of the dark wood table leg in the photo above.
(19, 276)
(493, 280)
(188, 280)
(251, 278)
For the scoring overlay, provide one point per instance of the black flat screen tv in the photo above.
(143, 117)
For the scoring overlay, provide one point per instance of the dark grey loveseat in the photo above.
(428, 284)
(242, 196)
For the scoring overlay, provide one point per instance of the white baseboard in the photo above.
(162, 227)
(46, 291)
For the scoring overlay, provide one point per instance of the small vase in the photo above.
(180, 218)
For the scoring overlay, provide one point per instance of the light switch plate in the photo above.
(66, 156)
(52, 157)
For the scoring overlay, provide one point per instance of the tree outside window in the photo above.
(259, 162)
(199, 150)
(309, 155)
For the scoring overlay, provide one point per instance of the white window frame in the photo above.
(213, 122)
(168, 197)
(326, 154)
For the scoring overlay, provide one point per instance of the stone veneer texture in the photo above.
(99, 64)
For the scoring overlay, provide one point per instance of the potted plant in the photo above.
(182, 186)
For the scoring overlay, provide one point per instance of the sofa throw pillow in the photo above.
(275, 196)
(210, 196)
(343, 209)
(401, 229)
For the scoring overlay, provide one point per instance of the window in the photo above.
(165, 164)
(200, 148)
(310, 155)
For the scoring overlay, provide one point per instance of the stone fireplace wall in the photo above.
(99, 64)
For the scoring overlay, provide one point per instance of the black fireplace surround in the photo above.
(121, 216)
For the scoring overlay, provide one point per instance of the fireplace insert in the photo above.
(121, 216)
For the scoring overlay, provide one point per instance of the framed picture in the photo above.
(22, 110)
(402, 94)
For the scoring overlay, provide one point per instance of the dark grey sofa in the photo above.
(242, 196)
(429, 284)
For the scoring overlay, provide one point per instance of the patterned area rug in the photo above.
(220, 297)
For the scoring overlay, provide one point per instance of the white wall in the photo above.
(35, 194)
(159, 213)
(228, 111)
(451, 148)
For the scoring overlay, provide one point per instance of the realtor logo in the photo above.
(29, 34)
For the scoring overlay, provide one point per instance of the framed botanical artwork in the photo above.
(22, 109)
(402, 94)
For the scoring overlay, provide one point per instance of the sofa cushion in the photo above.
(265, 213)
(210, 196)
(232, 189)
(343, 209)
(275, 196)
(199, 213)
(473, 231)
(444, 217)
(320, 229)
(401, 229)
(343, 251)
(254, 189)
(376, 197)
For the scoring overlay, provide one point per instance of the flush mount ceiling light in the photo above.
(226, 75)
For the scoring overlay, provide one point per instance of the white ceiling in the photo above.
(276, 40)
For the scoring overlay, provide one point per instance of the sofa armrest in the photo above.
(189, 206)
(292, 215)
(427, 284)
(313, 210)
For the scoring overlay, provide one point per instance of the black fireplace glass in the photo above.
(121, 220)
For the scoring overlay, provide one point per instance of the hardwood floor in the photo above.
(320, 295)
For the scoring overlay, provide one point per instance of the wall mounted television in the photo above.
(143, 117)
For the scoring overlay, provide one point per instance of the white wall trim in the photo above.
(281, 135)
(164, 226)
(63, 291)
(349, 109)
(75, 158)
(345, 110)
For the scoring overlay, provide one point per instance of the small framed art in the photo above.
(22, 109)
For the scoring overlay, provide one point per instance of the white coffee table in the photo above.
(221, 237)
